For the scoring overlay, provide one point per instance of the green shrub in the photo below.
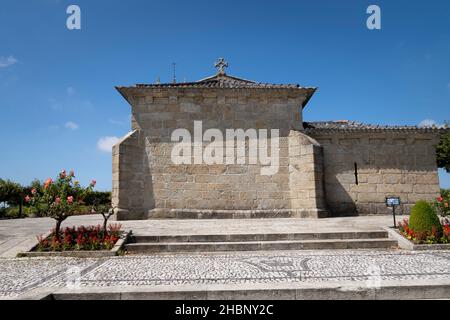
(424, 219)
(13, 212)
(98, 197)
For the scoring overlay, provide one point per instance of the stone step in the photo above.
(376, 234)
(261, 245)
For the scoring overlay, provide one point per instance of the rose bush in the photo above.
(442, 203)
(59, 198)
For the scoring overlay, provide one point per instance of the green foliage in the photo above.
(442, 203)
(11, 192)
(98, 198)
(14, 212)
(59, 199)
(424, 219)
(36, 197)
(445, 193)
(443, 152)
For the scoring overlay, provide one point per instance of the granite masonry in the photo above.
(330, 168)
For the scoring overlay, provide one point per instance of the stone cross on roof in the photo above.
(221, 64)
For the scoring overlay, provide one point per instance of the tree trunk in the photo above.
(105, 222)
(57, 229)
(20, 208)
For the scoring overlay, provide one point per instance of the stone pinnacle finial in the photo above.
(220, 65)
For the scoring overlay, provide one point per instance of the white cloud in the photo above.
(105, 144)
(5, 62)
(71, 125)
(70, 91)
(427, 123)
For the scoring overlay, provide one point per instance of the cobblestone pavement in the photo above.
(19, 276)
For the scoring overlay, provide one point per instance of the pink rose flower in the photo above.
(439, 199)
(70, 199)
(27, 199)
(58, 200)
(48, 182)
(72, 173)
(33, 191)
(93, 183)
(63, 174)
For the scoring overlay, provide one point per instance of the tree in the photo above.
(59, 199)
(106, 210)
(12, 193)
(35, 187)
(443, 152)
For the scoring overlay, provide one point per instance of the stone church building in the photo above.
(333, 168)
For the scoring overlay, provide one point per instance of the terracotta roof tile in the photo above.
(353, 126)
(222, 81)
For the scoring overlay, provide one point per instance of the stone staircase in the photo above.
(374, 239)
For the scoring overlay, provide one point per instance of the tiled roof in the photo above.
(222, 80)
(353, 126)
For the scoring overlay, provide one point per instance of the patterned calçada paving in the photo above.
(18, 276)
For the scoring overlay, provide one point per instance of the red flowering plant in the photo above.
(432, 237)
(403, 227)
(446, 231)
(59, 199)
(442, 203)
(81, 238)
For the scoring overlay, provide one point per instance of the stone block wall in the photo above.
(148, 184)
(387, 163)
(131, 186)
(306, 176)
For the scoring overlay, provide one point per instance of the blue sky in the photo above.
(57, 96)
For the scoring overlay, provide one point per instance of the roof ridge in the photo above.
(223, 80)
(220, 76)
(347, 125)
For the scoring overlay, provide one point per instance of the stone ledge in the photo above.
(404, 243)
(122, 215)
(233, 214)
